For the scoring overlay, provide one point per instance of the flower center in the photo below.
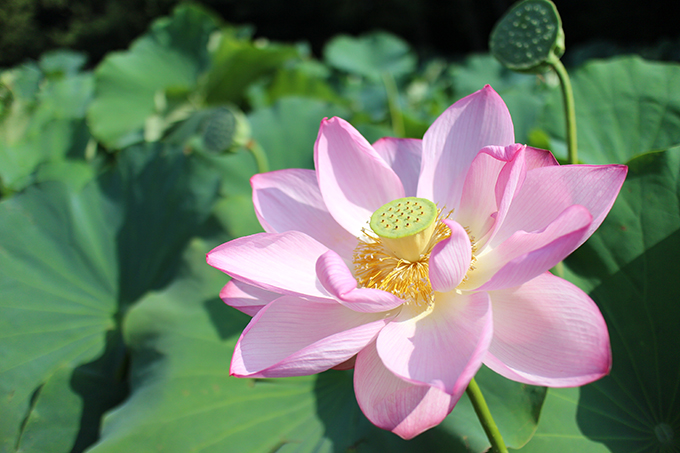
(394, 256)
(405, 226)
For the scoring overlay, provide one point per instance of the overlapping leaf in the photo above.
(45, 120)
(134, 85)
(72, 260)
(58, 280)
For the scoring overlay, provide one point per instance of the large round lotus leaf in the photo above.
(624, 106)
(629, 267)
(73, 258)
(58, 280)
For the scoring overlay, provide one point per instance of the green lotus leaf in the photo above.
(133, 85)
(627, 267)
(371, 55)
(624, 106)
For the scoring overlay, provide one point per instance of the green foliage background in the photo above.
(116, 181)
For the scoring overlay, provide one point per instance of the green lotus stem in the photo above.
(482, 410)
(259, 155)
(559, 269)
(569, 109)
(5, 191)
(393, 103)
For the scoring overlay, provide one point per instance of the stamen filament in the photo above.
(377, 266)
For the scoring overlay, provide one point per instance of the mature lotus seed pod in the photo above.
(528, 37)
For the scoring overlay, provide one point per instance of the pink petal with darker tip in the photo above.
(246, 298)
(353, 179)
(454, 140)
(548, 332)
(290, 200)
(297, 337)
(548, 191)
(337, 279)
(282, 263)
(396, 405)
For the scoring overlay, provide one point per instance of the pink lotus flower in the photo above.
(420, 297)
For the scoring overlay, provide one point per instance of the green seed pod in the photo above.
(219, 130)
(405, 225)
(528, 37)
(226, 129)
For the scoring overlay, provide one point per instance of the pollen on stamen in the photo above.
(375, 266)
(473, 260)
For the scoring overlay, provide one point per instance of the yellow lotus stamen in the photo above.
(473, 258)
(403, 269)
(377, 265)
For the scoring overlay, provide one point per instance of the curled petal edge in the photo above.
(337, 279)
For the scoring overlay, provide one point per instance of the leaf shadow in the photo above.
(101, 384)
(349, 430)
(164, 198)
(636, 407)
(228, 322)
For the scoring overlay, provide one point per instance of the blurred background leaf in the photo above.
(287, 129)
(44, 116)
(371, 55)
(624, 107)
(238, 62)
(159, 71)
